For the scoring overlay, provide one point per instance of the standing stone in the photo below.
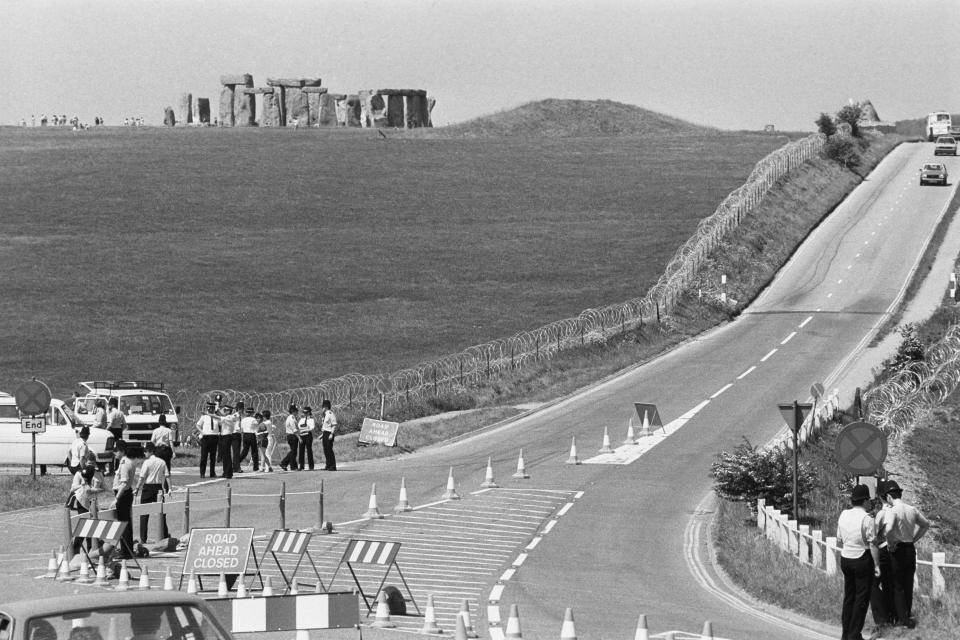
(186, 108)
(327, 112)
(431, 103)
(203, 110)
(169, 119)
(226, 106)
(313, 94)
(297, 107)
(353, 111)
(341, 101)
(395, 110)
(273, 106)
(244, 104)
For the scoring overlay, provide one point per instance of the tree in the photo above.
(748, 473)
(910, 349)
(844, 151)
(826, 125)
(851, 115)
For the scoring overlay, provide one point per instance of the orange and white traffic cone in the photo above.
(222, 590)
(192, 583)
(631, 436)
(144, 584)
(63, 569)
(646, 424)
(573, 459)
(167, 580)
(241, 589)
(521, 468)
(373, 513)
(488, 481)
(465, 614)
(642, 632)
(430, 618)
(513, 624)
(267, 587)
(460, 630)
(568, 631)
(605, 448)
(52, 565)
(294, 588)
(382, 619)
(451, 493)
(403, 504)
(101, 579)
(707, 633)
(123, 583)
(84, 576)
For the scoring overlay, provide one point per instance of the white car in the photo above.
(54, 444)
(945, 146)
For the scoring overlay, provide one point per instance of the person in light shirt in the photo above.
(248, 431)
(229, 423)
(78, 450)
(906, 526)
(859, 561)
(266, 439)
(328, 429)
(292, 433)
(123, 483)
(208, 426)
(162, 439)
(306, 427)
(150, 483)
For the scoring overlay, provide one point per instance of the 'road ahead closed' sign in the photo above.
(216, 551)
(378, 432)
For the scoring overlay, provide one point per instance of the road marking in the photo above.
(840, 281)
(829, 295)
(496, 592)
(746, 373)
(722, 389)
(788, 338)
(858, 255)
(520, 559)
(549, 526)
(804, 323)
(564, 509)
(764, 358)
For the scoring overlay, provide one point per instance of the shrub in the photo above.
(843, 150)
(851, 115)
(826, 125)
(910, 349)
(748, 473)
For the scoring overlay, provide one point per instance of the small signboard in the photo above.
(33, 425)
(374, 431)
(817, 390)
(32, 398)
(795, 413)
(211, 552)
(861, 448)
(648, 414)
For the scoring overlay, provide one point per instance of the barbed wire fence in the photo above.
(479, 364)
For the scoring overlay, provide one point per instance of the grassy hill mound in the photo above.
(573, 118)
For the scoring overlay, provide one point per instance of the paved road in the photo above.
(627, 539)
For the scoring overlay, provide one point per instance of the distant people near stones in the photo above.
(43, 120)
(33, 120)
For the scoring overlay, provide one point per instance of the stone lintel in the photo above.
(255, 90)
(244, 79)
(310, 82)
(402, 92)
(314, 89)
(285, 82)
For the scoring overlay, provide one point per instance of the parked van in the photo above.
(52, 445)
(142, 403)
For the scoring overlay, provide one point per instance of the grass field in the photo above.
(270, 259)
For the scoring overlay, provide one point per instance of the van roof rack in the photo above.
(111, 385)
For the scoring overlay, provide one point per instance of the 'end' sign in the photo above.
(216, 551)
(378, 431)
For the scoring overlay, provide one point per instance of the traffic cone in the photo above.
(84, 577)
(513, 623)
(430, 618)
(465, 614)
(293, 588)
(167, 580)
(567, 631)
(403, 504)
(192, 583)
(267, 587)
(52, 565)
(382, 619)
(646, 424)
(642, 632)
(241, 590)
(101, 579)
(222, 589)
(63, 570)
(521, 469)
(451, 493)
(303, 634)
(488, 481)
(124, 582)
(460, 631)
(373, 512)
(573, 459)
(144, 580)
(631, 436)
(707, 633)
(606, 442)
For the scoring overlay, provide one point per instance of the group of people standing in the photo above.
(229, 433)
(878, 558)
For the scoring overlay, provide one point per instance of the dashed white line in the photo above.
(788, 338)
(804, 323)
(722, 389)
(506, 575)
(840, 281)
(549, 526)
(746, 373)
(764, 358)
(564, 509)
(520, 560)
(533, 543)
(496, 592)
(829, 295)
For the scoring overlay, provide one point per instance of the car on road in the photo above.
(110, 615)
(945, 146)
(933, 173)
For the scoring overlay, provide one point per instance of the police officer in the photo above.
(236, 439)
(248, 429)
(229, 424)
(291, 431)
(209, 427)
(906, 526)
(306, 427)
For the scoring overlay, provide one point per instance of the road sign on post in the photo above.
(861, 448)
(33, 399)
(794, 414)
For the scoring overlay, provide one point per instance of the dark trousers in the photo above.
(290, 460)
(236, 439)
(208, 451)
(903, 561)
(328, 456)
(149, 494)
(250, 444)
(857, 582)
(125, 514)
(306, 449)
(881, 595)
(225, 453)
(165, 453)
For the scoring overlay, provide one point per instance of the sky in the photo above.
(731, 64)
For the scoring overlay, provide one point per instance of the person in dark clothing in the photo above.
(306, 427)
(291, 430)
(208, 427)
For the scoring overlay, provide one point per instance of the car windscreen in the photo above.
(9, 411)
(931, 167)
(146, 622)
(133, 404)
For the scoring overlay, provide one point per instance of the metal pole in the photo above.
(796, 454)
(320, 507)
(186, 512)
(229, 505)
(283, 505)
(33, 455)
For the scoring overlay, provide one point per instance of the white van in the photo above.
(53, 445)
(141, 402)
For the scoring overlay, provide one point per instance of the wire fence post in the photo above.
(186, 512)
(229, 505)
(320, 520)
(283, 505)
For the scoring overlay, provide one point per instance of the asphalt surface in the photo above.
(620, 535)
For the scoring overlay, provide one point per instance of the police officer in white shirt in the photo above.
(150, 484)
(229, 424)
(209, 428)
(248, 432)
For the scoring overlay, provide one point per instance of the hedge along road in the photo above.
(621, 549)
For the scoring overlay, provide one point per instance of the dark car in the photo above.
(933, 173)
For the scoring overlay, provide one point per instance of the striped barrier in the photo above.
(335, 610)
